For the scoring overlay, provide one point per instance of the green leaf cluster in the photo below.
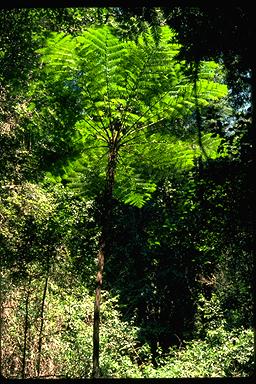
(130, 92)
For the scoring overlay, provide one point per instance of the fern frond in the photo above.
(129, 91)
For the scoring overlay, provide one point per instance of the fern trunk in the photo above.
(103, 247)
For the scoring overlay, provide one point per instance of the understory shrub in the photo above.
(66, 334)
(216, 350)
(66, 337)
(221, 354)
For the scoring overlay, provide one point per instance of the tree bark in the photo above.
(103, 243)
(40, 339)
(26, 329)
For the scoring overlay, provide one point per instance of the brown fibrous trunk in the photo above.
(104, 240)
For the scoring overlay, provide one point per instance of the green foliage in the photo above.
(231, 356)
(40, 224)
(32, 141)
(67, 330)
(129, 91)
(27, 223)
(209, 316)
(218, 351)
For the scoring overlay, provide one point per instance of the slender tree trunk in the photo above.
(96, 319)
(40, 339)
(103, 243)
(26, 327)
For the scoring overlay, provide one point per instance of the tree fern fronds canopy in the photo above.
(127, 87)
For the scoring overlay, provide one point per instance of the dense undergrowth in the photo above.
(58, 342)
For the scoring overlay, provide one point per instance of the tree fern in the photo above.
(127, 88)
